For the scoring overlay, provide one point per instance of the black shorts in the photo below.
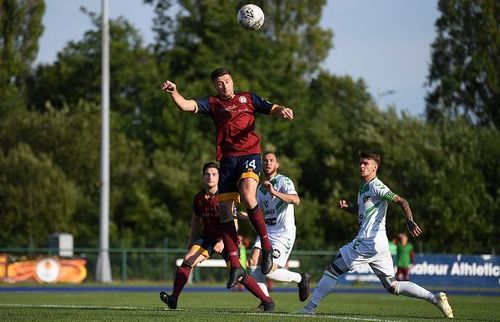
(206, 247)
(232, 170)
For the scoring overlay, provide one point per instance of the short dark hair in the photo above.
(219, 72)
(375, 156)
(271, 152)
(210, 165)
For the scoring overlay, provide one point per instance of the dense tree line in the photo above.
(50, 124)
(464, 77)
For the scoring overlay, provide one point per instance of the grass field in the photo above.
(231, 306)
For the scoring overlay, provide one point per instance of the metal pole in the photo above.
(103, 269)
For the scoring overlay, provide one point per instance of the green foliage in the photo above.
(36, 198)
(274, 61)
(50, 147)
(20, 29)
(75, 77)
(464, 77)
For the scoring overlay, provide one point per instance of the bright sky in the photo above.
(385, 42)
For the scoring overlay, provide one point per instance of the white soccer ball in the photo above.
(251, 17)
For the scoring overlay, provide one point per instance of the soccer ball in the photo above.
(251, 17)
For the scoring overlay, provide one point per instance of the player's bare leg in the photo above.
(248, 190)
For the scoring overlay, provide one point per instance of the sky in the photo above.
(384, 42)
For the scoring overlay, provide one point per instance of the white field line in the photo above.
(134, 308)
(332, 316)
(70, 306)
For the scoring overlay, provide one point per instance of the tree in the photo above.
(20, 29)
(464, 76)
(445, 171)
(75, 77)
(277, 59)
(36, 198)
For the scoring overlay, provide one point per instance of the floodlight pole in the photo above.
(381, 95)
(103, 269)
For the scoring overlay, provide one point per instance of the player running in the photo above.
(277, 197)
(206, 211)
(371, 245)
(238, 150)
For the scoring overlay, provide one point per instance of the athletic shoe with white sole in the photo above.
(307, 311)
(443, 305)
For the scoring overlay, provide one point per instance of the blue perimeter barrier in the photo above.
(438, 270)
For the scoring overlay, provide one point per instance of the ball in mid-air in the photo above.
(251, 17)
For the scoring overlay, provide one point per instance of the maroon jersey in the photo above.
(234, 121)
(207, 207)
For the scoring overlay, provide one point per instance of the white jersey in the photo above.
(279, 215)
(372, 209)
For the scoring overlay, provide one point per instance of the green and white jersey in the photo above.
(372, 210)
(279, 215)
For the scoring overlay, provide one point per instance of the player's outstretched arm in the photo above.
(412, 226)
(282, 111)
(286, 197)
(344, 205)
(179, 100)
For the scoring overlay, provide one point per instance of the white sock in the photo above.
(326, 285)
(256, 272)
(414, 290)
(284, 275)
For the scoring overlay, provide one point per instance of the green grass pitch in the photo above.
(232, 306)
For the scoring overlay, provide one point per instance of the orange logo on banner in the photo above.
(46, 270)
(3, 266)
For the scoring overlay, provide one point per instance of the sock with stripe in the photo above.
(260, 279)
(326, 285)
(256, 216)
(181, 278)
(230, 239)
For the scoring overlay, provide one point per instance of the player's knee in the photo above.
(337, 267)
(331, 271)
(249, 199)
(188, 263)
(390, 284)
(392, 287)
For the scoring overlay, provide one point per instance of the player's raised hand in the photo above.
(269, 186)
(219, 246)
(413, 228)
(169, 86)
(342, 204)
(287, 113)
